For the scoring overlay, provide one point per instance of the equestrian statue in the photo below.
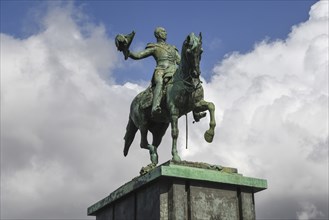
(175, 90)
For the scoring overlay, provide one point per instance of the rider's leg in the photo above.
(157, 93)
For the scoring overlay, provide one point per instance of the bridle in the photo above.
(188, 81)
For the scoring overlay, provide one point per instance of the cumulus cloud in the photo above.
(309, 211)
(59, 117)
(61, 143)
(272, 109)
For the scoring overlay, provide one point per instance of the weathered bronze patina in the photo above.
(181, 89)
(183, 190)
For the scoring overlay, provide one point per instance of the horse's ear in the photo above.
(188, 39)
(200, 36)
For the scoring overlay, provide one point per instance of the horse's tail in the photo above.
(129, 136)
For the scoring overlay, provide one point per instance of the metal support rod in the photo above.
(186, 131)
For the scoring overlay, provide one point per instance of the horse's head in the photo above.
(192, 50)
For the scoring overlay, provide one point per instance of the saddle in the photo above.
(146, 97)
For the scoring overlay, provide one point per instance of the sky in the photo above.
(66, 92)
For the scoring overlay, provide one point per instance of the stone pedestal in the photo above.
(183, 190)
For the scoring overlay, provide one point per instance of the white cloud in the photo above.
(60, 110)
(272, 114)
(59, 117)
(309, 211)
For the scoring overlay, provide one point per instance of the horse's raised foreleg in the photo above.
(174, 135)
(203, 106)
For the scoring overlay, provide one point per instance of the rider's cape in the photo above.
(146, 98)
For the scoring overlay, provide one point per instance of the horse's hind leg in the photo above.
(144, 143)
(203, 106)
(158, 132)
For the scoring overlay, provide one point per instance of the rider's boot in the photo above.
(157, 95)
(198, 116)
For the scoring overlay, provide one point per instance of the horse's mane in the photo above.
(183, 67)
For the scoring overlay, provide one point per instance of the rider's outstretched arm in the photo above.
(142, 54)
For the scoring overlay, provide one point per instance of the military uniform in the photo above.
(167, 59)
(166, 56)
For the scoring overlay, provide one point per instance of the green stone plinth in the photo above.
(184, 190)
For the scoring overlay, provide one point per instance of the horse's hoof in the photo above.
(147, 169)
(209, 136)
(176, 158)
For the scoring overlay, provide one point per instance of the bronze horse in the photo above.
(183, 94)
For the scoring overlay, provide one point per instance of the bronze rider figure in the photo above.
(167, 59)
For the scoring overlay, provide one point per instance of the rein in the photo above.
(189, 86)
